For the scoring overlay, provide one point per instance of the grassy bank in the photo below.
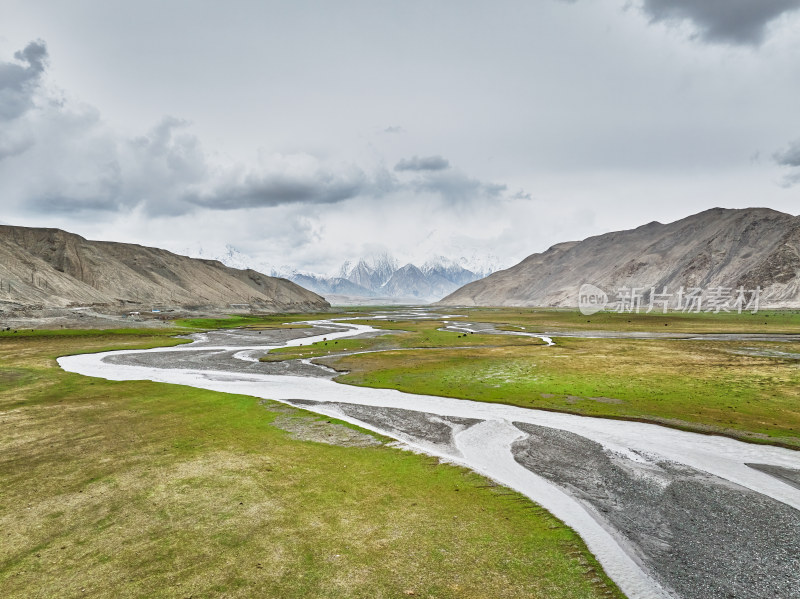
(138, 489)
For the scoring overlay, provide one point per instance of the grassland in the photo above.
(400, 335)
(138, 489)
(699, 385)
(765, 321)
(254, 321)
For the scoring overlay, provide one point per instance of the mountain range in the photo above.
(51, 268)
(378, 278)
(717, 251)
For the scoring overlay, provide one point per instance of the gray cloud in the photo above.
(313, 183)
(61, 157)
(737, 22)
(435, 175)
(617, 115)
(275, 189)
(67, 204)
(34, 54)
(14, 141)
(521, 194)
(18, 82)
(159, 167)
(425, 163)
(83, 166)
(457, 188)
(75, 163)
(394, 129)
(790, 158)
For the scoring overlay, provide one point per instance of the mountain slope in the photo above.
(330, 286)
(409, 281)
(716, 248)
(53, 268)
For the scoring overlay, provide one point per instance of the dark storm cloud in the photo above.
(18, 82)
(425, 163)
(737, 22)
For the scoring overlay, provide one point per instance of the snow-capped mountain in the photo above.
(451, 271)
(371, 273)
(482, 266)
(231, 257)
(373, 279)
(380, 277)
(410, 281)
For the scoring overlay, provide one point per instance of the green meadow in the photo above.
(139, 489)
(541, 319)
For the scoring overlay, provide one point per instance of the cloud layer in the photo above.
(58, 156)
(18, 86)
(302, 180)
(738, 22)
(425, 163)
(790, 158)
(305, 137)
(18, 82)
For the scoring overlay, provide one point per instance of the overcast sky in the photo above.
(307, 132)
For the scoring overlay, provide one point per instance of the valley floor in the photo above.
(138, 489)
(702, 516)
(165, 465)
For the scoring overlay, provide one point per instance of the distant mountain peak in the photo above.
(381, 276)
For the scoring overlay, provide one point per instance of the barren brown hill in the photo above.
(50, 268)
(718, 248)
